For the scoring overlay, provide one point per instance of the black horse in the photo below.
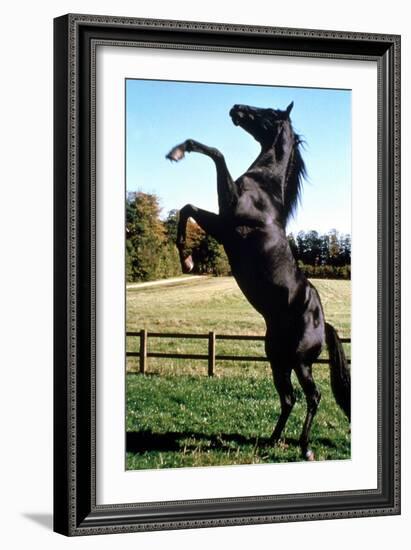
(253, 212)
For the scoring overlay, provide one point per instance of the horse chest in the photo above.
(252, 202)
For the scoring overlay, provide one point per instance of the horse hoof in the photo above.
(176, 154)
(188, 265)
(309, 455)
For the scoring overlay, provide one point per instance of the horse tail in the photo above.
(339, 371)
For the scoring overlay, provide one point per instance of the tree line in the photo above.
(326, 256)
(151, 252)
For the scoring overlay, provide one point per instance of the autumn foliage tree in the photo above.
(150, 254)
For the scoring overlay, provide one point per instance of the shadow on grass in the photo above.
(140, 442)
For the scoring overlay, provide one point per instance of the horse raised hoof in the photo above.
(176, 154)
(187, 265)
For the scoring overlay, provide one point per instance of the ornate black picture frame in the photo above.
(75, 41)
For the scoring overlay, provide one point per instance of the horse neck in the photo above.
(271, 175)
(269, 170)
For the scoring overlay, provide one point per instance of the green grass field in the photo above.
(177, 416)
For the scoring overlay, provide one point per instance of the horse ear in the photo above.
(289, 108)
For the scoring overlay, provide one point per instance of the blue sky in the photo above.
(161, 114)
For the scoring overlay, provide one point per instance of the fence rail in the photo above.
(211, 357)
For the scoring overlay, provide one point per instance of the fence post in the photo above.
(211, 353)
(143, 350)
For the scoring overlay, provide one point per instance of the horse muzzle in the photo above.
(237, 114)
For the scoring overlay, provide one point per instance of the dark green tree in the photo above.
(171, 224)
(312, 248)
(209, 257)
(345, 249)
(334, 248)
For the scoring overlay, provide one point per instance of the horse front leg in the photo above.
(208, 221)
(226, 188)
(192, 146)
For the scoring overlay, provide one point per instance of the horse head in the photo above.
(280, 149)
(265, 125)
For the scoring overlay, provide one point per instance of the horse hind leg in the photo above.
(313, 396)
(282, 382)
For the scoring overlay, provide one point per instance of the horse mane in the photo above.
(296, 172)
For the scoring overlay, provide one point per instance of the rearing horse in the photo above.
(253, 212)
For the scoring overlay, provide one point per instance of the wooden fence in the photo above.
(211, 357)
